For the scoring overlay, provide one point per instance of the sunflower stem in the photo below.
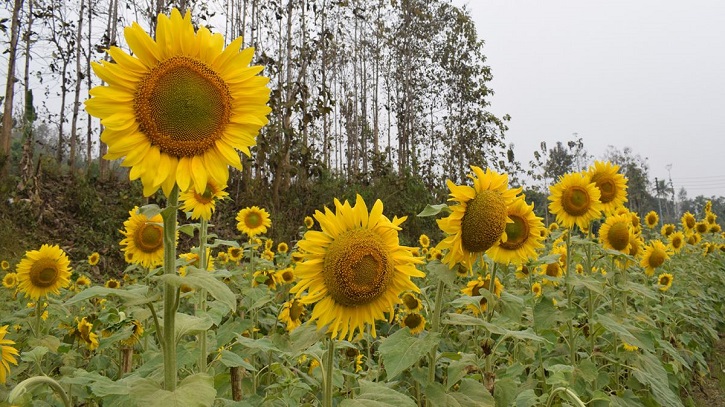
(170, 292)
(29, 384)
(201, 304)
(435, 325)
(491, 289)
(329, 363)
(37, 318)
(569, 292)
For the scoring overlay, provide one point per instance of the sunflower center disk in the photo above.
(607, 188)
(657, 258)
(149, 238)
(410, 302)
(412, 321)
(253, 220)
(618, 236)
(575, 201)
(484, 221)
(183, 106)
(43, 273)
(295, 311)
(552, 270)
(517, 233)
(357, 268)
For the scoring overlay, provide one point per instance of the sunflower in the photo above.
(523, 235)
(710, 218)
(628, 347)
(553, 227)
(86, 334)
(536, 289)
(266, 277)
(615, 232)
(309, 222)
(144, 239)
(688, 221)
(179, 108)
(522, 272)
(677, 241)
(693, 238)
(635, 245)
(654, 256)
(43, 271)
(651, 219)
(282, 248)
(411, 302)
(575, 200)
(192, 258)
(553, 271)
(94, 258)
(235, 253)
(7, 354)
(10, 280)
(268, 255)
(479, 220)
(474, 287)
(112, 283)
(611, 184)
(424, 241)
(136, 332)
(354, 269)
(286, 276)
(291, 314)
(202, 204)
(4, 265)
(359, 363)
(83, 281)
(667, 229)
(414, 321)
(253, 221)
(702, 227)
(268, 244)
(222, 257)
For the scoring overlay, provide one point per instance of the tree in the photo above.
(7, 121)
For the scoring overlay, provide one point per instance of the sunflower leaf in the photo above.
(194, 390)
(131, 296)
(432, 210)
(188, 324)
(199, 279)
(378, 395)
(402, 350)
(150, 210)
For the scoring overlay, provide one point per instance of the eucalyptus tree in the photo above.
(7, 121)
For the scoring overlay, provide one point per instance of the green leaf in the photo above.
(262, 344)
(528, 398)
(432, 210)
(35, 355)
(194, 390)
(648, 370)
(545, 315)
(130, 296)
(401, 350)
(231, 359)
(472, 393)
(49, 341)
(378, 395)
(468, 320)
(505, 391)
(625, 331)
(187, 324)
(441, 272)
(458, 369)
(199, 279)
(187, 229)
(150, 210)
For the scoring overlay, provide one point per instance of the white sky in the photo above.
(647, 74)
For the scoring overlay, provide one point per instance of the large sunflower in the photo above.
(575, 200)
(7, 354)
(144, 239)
(479, 220)
(179, 108)
(354, 269)
(253, 221)
(615, 233)
(43, 271)
(611, 184)
(202, 205)
(654, 256)
(523, 235)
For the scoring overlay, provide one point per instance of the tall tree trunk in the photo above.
(7, 129)
(111, 30)
(26, 162)
(89, 84)
(77, 92)
(61, 115)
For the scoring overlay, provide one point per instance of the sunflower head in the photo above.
(615, 233)
(309, 222)
(523, 235)
(667, 229)
(202, 204)
(424, 241)
(282, 247)
(536, 289)
(651, 219)
(291, 314)
(235, 253)
(286, 276)
(411, 302)
(43, 272)
(181, 106)
(575, 200)
(112, 283)
(144, 239)
(413, 321)
(677, 241)
(611, 184)
(7, 354)
(702, 227)
(654, 256)
(354, 268)
(10, 280)
(83, 281)
(4, 265)
(253, 221)
(688, 221)
(94, 258)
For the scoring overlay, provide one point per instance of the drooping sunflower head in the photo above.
(86, 335)
(615, 232)
(354, 268)
(611, 184)
(523, 235)
(522, 272)
(716, 228)
(667, 229)
(202, 204)
(479, 219)
(575, 200)
(136, 333)
(654, 256)
(44, 271)
(688, 221)
(551, 272)
(253, 221)
(651, 219)
(664, 281)
(411, 302)
(291, 314)
(144, 239)
(413, 321)
(181, 106)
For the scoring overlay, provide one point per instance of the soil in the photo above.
(709, 391)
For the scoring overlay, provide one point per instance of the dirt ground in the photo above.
(710, 390)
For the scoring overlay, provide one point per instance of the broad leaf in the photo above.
(378, 395)
(402, 350)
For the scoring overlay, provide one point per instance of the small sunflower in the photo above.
(268, 244)
(552, 270)
(358, 363)
(575, 200)
(144, 239)
(354, 269)
(664, 281)
(10, 280)
(86, 334)
(710, 218)
(222, 257)
(536, 289)
(7, 354)
(253, 221)
(192, 258)
(615, 232)
(553, 227)
(282, 248)
(424, 241)
(677, 241)
(667, 229)
(479, 219)
(702, 227)
(611, 184)
(688, 221)
(291, 314)
(136, 333)
(266, 277)
(413, 321)
(651, 219)
(235, 253)
(309, 222)
(181, 106)
(4, 265)
(523, 235)
(83, 281)
(716, 228)
(112, 283)
(654, 256)
(411, 302)
(43, 271)
(522, 272)
(474, 287)
(286, 276)
(636, 245)
(202, 204)
(629, 348)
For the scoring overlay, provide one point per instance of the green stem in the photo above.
(492, 290)
(329, 363)
(37, 317)
(29, 384)
(435, 325)
(170, 292)
(201, 304)
(569, 297)
(571, 395)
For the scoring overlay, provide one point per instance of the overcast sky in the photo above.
(649, 75)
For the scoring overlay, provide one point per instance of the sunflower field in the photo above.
(600, 308)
